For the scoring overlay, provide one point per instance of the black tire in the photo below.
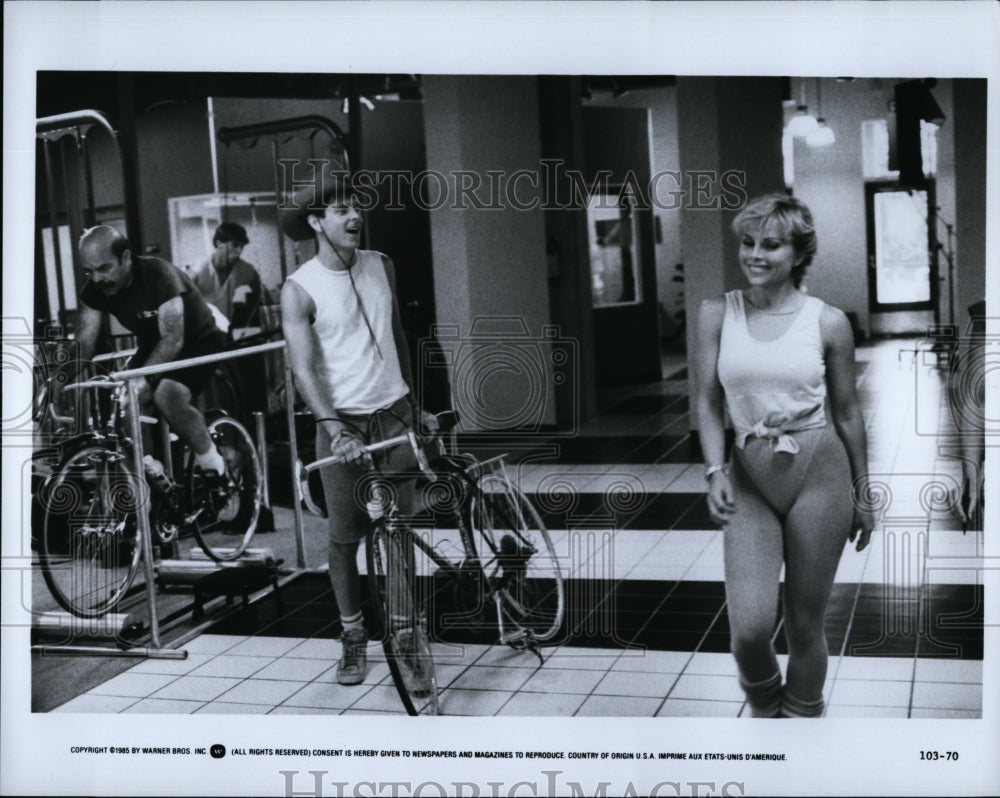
(517, 557)
(225, 531)
(89, 550)
(389, 555)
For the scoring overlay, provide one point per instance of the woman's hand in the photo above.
(861, 527)
(720, 498)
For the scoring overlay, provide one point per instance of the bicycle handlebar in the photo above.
(78, 386)
(407, 437)
(446, 420)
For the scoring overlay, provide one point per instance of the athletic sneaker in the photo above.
(411, 662)
(354, 659)
(224, 495)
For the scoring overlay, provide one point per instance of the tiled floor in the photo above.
(647, 630)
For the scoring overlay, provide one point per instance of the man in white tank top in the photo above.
(347, 351)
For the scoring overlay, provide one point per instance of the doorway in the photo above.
(902, 275)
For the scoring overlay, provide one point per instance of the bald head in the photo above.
(106, 258)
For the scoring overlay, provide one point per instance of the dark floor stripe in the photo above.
(662, 616)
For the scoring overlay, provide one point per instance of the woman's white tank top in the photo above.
(358, 378)
(773, 387)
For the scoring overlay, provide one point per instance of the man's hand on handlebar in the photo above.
(348, 449)
(427, 422)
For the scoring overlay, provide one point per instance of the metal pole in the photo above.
(258, 419)
(293, 454)
(88, 177)
(97, 651)
(142, 513)
(279, 194)
(54, 222)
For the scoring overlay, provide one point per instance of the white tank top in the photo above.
(359, 380)
(773, 387)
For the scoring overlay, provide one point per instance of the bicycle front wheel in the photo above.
(228, 517)
(389, 555)
(517, 558)
(90, 551)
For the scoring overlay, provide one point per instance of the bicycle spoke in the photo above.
(90, 551)
(227, 510)
(403, 624)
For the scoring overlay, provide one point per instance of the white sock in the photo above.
(350, 622)
(211, 461)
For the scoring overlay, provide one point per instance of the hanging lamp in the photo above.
(803, 123)
(822, 134)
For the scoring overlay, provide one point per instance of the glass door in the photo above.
(900, 270)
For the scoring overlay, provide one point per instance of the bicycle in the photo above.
(89, 547)
(507, 562)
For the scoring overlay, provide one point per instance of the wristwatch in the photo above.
(714, 468)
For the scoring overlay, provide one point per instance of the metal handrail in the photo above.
(227, 135)
(71, 121)
(201, 360)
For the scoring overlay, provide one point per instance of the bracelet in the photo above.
(715, 469)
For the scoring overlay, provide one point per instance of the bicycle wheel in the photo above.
(517, 557)
(228, 516)
(90, 549)
(404, 628)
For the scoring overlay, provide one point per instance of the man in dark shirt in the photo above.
(159, 304)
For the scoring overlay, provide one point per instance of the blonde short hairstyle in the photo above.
(792, 217)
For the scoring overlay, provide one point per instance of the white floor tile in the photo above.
(177, 667)
(213, 644)
(223, 708)
(859, 692)
(139, 685)
(712, 664)
(653, 661)
(260, 691)
(621, 683)
(865, 712)
(703, 686)
(261, 646)
(93, 703)
(326, 696)
(196, 688)
(949, 670)
(563, 680)
(608, 706)
(690, 708)
(946, 714)
(232, 666)
(874, 668)
(163, 706)
(944, 695)
(479, 677)
(473, 702)
(294, 669)
(543, 705)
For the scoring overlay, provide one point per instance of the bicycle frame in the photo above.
(521, 638)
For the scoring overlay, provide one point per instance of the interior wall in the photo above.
(969, 98)
(490, 267)
(831, 182)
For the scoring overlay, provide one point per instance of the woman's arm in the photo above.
(709, 406)
(838, 350)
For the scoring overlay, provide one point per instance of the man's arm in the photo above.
(90, 330)
(170, 322)
(301, 349)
